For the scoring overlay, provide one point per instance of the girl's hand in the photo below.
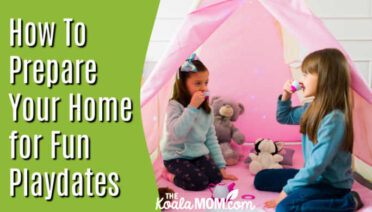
(271, 204)
(227, 176)
(275, 202)
(197, 99)
(287, 90)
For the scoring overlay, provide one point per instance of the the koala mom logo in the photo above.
(229, 202)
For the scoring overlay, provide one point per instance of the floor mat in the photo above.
(245, 185)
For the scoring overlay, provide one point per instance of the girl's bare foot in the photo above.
(168, 176)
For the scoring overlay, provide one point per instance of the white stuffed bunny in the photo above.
(267, 157)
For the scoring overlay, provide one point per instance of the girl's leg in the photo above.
(209, 169)
(318, 197)
(344, 204)
(273, 179)
(187, 175)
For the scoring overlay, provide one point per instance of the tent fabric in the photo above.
(196, 28)
(242, 46)
(362, 118)
(250, 53)
(309, 30)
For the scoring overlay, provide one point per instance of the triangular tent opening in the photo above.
(250, 48)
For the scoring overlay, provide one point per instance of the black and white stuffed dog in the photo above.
(266, 157)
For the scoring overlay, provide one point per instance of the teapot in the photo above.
(220, 190)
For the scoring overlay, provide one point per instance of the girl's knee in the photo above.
(260, 180)
(216, 178)
(198, 183)
(283, 206)
(219, 178)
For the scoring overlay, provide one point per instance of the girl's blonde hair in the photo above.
(332, 92)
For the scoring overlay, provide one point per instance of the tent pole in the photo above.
(194, 5)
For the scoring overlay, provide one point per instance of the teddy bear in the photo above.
(225, 112)
(267, 157)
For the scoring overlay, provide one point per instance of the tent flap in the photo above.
(196, 28)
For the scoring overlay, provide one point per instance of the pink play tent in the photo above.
(251, 47)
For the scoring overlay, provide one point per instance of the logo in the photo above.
(230, 202)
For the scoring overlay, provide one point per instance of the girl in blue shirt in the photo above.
(326, 124)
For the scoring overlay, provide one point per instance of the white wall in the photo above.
(350, 21)
(169, 17)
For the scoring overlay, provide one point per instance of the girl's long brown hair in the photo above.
(180, 92)
(332, 92)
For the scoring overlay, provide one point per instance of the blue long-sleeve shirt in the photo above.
(325, 161)
(190, 134)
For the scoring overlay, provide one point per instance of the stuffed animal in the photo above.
(225, 112)
(267, 157)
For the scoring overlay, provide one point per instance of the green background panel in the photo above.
(117, 38)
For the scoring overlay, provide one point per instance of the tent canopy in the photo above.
(249, 48)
